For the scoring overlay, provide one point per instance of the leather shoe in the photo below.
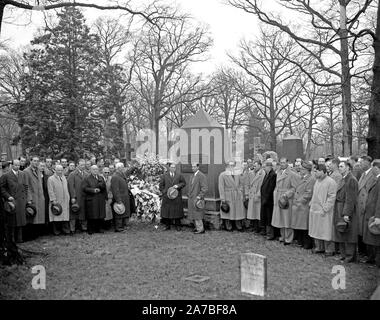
(167, 227)
(270, 238)
(287, 243)
(199, 232)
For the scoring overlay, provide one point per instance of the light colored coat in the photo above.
(58, 192)
(286, 183)
(231, 190)
(253, 192)
(109, 214)
(198, 187)
(36, 194)
(366, 182)
(322, 209)
(301, 203)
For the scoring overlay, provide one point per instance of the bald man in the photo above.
(95, 196)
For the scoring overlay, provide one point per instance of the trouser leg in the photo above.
(270, 232)
(307, 240)
(83, 225)
(256, 226)
(199, 225)
(72, 225)
(371, 252)
(118, 224)
(362, 248)
(66, 227)
(288, 235)
(330, 246)
(125, 222)
(228, 224)
(55, 228)
(238, 224)
(350, 251)
(282, 233)
(377, 256)
(319, 245)
(18, 235)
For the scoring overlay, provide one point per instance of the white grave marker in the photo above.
(253, 268)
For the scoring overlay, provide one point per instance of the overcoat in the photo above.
(231, 189)
(36, 194)
(109, 213)
(95, 203)
(74, 181)
(286, 184)
(345, 205)
(198, 188)
(120, 193)
(267, 189)
(301, 203)
(58, 192)
(253, 193)
(171, 208)
(322, 209)
(366, 182)
(372, 208)
(336, 175)
(16, 187)
(357, 171)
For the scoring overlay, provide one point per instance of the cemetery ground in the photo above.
(149, 263)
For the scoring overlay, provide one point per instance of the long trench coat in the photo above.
(198, 188)
(120, 193)
(286, 184)
(345, 205)
(109, 213)
(266, 190)
(322, 209)
(253, 193)
(366, 182)
(95, 203)
(301, 203)
(58, 192)
(372, 209)
(231, 188)
(16, 187)
(74, 181)
(172, 208)
(36, 194)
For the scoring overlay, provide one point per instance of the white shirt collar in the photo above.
(368, 171)
(16, 173)
(196, 173)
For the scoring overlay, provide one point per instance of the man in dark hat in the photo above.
(172, 208)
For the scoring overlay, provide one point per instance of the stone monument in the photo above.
(204, 140)
(292, 148)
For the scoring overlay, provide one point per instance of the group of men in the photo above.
(323, 205)
(86, 197)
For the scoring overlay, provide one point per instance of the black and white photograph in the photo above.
(209, 152)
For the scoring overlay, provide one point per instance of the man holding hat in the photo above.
(197, 190)
(372, 212)
(120, 195)
(301, 206)
(171, 185)
(14, 189)
(59, 196)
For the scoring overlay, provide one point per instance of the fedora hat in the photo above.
(9, 206)
(75, 207)
(225, 207)
(374, 229)
(200, 204)
(119, 208)
(172, 193)
(342, 226)
(283, 202)
(30, 210)
(56, 209)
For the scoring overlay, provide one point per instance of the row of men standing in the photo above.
(92, 194)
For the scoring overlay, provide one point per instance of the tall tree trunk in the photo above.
(2, 7)
(272, 122)
(331, 123)
(310, 132)
(346, 82)
(373, 138)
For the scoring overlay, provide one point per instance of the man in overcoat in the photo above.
(286, 184)
(120, 194)
(253, 193)
(172, 209)
(231, 191)
(345, 211)
(372, 209)
(322, 211)
(366, 182)
(301, 206)
(266, 209)
(197, 190)
(95, 196)
(59, 194)
(74, 182)
(14, 187)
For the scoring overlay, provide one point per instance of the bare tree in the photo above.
(274, 83)
(328, 24)
(164, 53)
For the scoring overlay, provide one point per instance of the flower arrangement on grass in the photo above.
(144, 177)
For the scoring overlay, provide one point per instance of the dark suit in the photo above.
(266, 210)
(120, 193)
(74, 183)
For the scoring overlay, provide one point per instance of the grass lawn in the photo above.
(148, 263)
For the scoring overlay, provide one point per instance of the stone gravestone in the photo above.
(204, 142)
(292, 148)
(253, 273)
